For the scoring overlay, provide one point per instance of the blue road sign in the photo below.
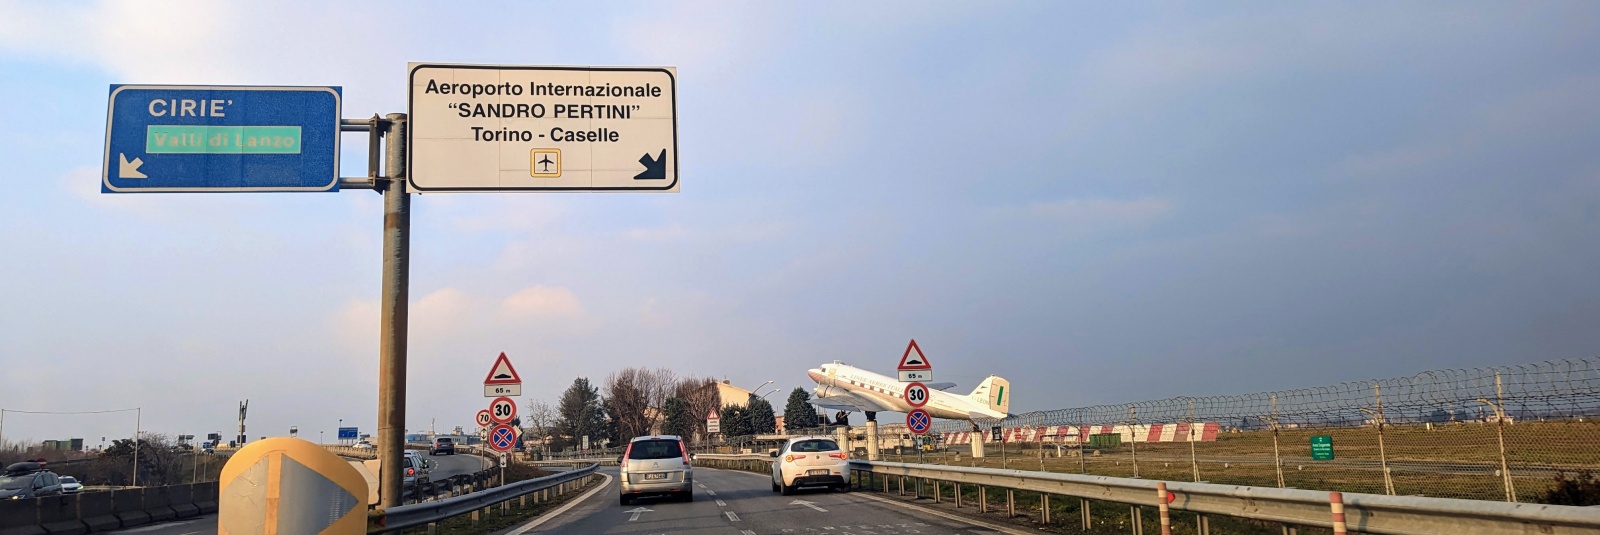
(224, 138)
(348, 433)
(918, 421)
(503, 438)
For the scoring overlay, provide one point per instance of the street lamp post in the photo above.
(758, 389)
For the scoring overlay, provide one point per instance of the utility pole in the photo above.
(394, 311)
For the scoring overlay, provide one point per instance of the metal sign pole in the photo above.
(392, 339)
(138, 425)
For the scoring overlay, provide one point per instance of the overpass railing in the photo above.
(1364, 513)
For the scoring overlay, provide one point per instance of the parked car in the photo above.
(442, 446)
(70, 485)
(810, 462)
(28, 480)
(656, 465)
(364, 445)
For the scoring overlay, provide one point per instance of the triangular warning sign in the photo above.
(913, 359)
(502, 373)
(713, 415)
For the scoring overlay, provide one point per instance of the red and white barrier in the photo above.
(1067, 434)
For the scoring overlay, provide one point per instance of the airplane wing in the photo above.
(850, 402)
(941, 386)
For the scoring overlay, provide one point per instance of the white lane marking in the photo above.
(732, 516)
(720, 503)
(636, 512)
(808, 504)
(746, 532)
(541, 519)
(711, 492)
(903, 505)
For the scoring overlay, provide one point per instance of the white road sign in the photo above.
(533, 128)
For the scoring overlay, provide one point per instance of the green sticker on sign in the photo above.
(203, 139)
(1322, 448)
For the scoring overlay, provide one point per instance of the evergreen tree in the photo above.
(734, 422)
(798, 412)
(580, 412)
(759, 414)
(677, 420)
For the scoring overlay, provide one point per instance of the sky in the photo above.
(1101, 203)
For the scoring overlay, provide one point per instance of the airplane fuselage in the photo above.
(889, 393)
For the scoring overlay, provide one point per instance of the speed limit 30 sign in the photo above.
(503, 410)
(916, 394)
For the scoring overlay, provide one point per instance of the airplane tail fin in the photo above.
(994, 392)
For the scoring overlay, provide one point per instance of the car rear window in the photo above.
(444, 441)
(15, 482)
(815, 445)
(654, 449)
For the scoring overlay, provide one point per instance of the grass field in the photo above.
(1453, 460)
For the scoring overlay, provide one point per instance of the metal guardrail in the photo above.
(406, 516)
(1366, 513)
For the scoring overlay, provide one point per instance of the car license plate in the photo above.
(648, 477)
(817, 473)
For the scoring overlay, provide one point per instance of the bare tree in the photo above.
(634, 399)
(540, 420)
(701, 394)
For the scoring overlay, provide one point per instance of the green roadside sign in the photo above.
(1322, 448)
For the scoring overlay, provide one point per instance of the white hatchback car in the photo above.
(810, 462)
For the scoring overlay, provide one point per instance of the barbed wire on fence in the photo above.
(1552, 390)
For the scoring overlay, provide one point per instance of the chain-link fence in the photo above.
(1487, 433)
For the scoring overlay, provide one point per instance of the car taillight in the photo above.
(411, 471)
(627, 452)
(685, 455)
(840, 455)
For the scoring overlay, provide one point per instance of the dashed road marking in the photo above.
(746, 532)
(720, 503)
(711, 492)
(732, 516)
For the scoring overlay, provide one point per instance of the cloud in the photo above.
(356, 325)
(542, 303)
(143, 40)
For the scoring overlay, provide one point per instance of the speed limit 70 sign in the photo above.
(503, 410)
(916, 394)
(484, 419)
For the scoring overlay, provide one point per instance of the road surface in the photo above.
(742, 503)
(725, 502)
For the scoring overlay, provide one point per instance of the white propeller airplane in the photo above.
(845, 388)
